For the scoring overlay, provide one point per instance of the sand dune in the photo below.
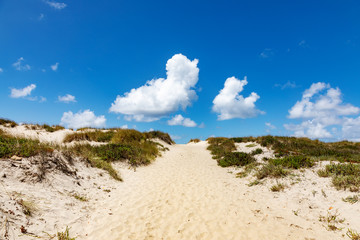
(185, 195)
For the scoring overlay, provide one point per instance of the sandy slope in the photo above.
(185, 195)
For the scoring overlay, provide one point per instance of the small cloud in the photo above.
(54, 67)
(41, 17)
(1, 70)
(56, 5)
(202, 125)
(288, 84)
(80, 119)
(230, 104)
(269, 125)
(43, 70)
(175, 137)
(150, 130)
(181, 121)
(267, 53)
(19, 66)
(42, 99)
(67, 98)
(303, 44)
(23, 92)
(124, 126)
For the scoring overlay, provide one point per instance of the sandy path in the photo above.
(185, 195)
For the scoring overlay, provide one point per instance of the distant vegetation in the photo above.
(196, 140)
(11, 123)
(292, 153)
(131, 146)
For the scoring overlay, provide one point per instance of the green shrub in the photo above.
(4, 121)
(271, 170)
(160, 135)
(294, 162)
(96, 136)
(344, 175)
(196, 140)
(236, 159)
(220, 146)
(257, 151)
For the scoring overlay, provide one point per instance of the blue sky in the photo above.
(59, 59)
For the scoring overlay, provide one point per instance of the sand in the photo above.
(182, 195)
(185, 195)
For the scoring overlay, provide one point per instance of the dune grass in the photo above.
(344, 175)
(7, 122)
(195, 140)
(22, 147)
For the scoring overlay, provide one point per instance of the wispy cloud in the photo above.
(22, 92)
(18, 65)
(267, 53)
(288, 84)
(56, 5)
(41, 17)
(55, 67)
(67, 98)
(160, 97)
(181, 121)
(1, 70)
(303, 44)
(81, 119)
(230, 104)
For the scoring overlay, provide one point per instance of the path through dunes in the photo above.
(185, 195)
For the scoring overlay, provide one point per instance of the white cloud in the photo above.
(175, 137)
(54, 67)
(202, 125)
(42, 99)
(267, 53)
(269, 125)
(86, 118)
(320, 108)
(1, 70)
(351, 129)
(180, 120)
(19, 66)
(229, 104)
(288, 84)
(124, 126)
(23, 92)
(160, 97)
(67, 98)
(56, 5)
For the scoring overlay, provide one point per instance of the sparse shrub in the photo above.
(53, 128)
(344, 175)
(64, 235)
(160, 135)
(331, 220)
(220, 146)
(351, 199)
(96, 136)
(236, 159)
(353, 235)
(28, 207)
(294, 162)
(8, 122)
(251, 145)
(257, 151)
(271, 170)
(196, 140)
(80, 198)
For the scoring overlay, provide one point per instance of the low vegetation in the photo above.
(353, 235)
(236, 159)
(331, 220)
(278, 187)
(344, 175)
(64, 235)
(21, 147)
(351, 199)
(8, 122)
(96, 136)
(257, 151)
(196, 140)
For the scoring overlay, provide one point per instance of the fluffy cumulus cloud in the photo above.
(80, 119)
(54, 67)
(160, 97)
(230, 104)
(320, 108)
(22, 92)
(181, 121)
(56, 5)
(18, 65)
(67, 98)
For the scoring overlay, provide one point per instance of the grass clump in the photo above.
(331, 220)
(220, 146)
(236, 159)
(8, 122)
(278, 187)
(96, 136)
(64, 235)
(196, 140)
(351, 199)
(22, 147)
(53, 128)
(28, 207)
(160, 135)
(353, 235)
(80, 198)
(344, 175)
(281, 167)
(257, 151)
(251, 145)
